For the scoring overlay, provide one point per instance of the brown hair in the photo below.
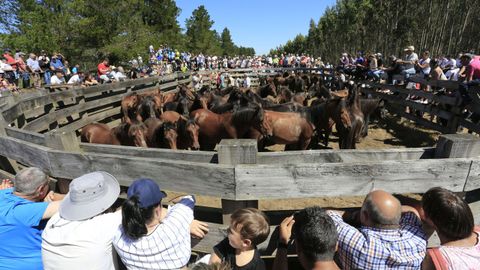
(252, 224)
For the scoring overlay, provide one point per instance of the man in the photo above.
(390, 236)
(58, 78)
(408, 62)
(472, 76)
(80, 235)
(23, 74)
(315, 240)
(56, 65)
(44, 62)
(247, 82)
(24, 210)
(35, 70)
(7, 54)
(103, 69)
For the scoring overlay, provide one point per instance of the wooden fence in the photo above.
(40, 130)
(438, 104)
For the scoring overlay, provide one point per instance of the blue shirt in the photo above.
(21, 229)
(56, 64)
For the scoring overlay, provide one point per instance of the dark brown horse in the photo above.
(371, 106)
(215, 127)
(161, 134)
(187, 130)
(148, 107)
(349, 137)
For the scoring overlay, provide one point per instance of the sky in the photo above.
(261, 24)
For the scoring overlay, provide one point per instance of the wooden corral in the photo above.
(40, 129)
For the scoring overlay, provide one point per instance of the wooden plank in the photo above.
(423, 122)
(469, 125)
(89, 119)
(473, 180)
(185, 155)
(25, 152)
(345, 155)
(26, 135)
(348, 179)
(189, 177)
(436, 83)
(43, 122)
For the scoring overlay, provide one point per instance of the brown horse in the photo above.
(288, 128)
(187, 128)
(123, 134)
(98, 133)
(149, 107)
(215, 127)
(349, 137)
(129, 106)
(161, 134)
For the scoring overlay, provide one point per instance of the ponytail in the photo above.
(134, 218)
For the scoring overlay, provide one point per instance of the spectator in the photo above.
(391, 236)
(315, 240)
(56, 65)
(103, 70)
(248, 228)
(408, 62)
(247, 82)
(118, 74)
(424, 64)
(81, 233)
(150, 237)
(24, 210)
(436, 72)
(35, 70)
(77, 78)
(44, 62)
(9, 72)
(58, 78)
(23, 75)
(452, 218)
(472, 76)
(197, 81)
(90, 80)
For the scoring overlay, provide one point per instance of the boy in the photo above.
(248, 228)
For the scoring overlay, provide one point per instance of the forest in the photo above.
(87, 30)
(387, 26)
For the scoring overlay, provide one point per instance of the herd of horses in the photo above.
(297, 110)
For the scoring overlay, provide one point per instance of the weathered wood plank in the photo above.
(348, 179)
(189, 177)
(89, 119)
(26, 135)
(331, 156)
(24, 152)
(185, 155)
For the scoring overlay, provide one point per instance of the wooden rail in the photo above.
(439, 105)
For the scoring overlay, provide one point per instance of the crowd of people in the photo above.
(86, 229)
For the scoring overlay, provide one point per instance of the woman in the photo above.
(424, 64)
(150, 236)
(452, 218)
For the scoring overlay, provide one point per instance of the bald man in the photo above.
(390, 236)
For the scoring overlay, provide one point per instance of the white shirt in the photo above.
(75, 79)
(168, 247)
(86, 244)
(55, 80)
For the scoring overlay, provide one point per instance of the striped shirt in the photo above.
(372, 248)
(168, 247)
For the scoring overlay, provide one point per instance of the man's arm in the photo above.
(281, 261)
(54, 200)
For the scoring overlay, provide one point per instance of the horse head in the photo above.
(340, 113)
(137, 132)
(262, 123)
(183, 106)
(170, 134)
(191, 129)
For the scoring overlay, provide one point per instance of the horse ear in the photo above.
(183, 117)
(196, 117)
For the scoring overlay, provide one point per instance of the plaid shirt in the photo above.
(372, 248)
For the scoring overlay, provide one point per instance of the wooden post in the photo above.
(66, 141)
(457, 146)
(233, 152)
(6, 164)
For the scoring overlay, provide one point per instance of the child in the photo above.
(248, 228)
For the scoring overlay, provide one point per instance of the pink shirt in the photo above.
(467, 258)
(474, 68)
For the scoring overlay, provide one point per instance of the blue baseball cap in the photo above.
(147, 191)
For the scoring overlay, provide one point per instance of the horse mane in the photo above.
(247, 115)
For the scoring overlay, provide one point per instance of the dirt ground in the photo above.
(388, 133)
